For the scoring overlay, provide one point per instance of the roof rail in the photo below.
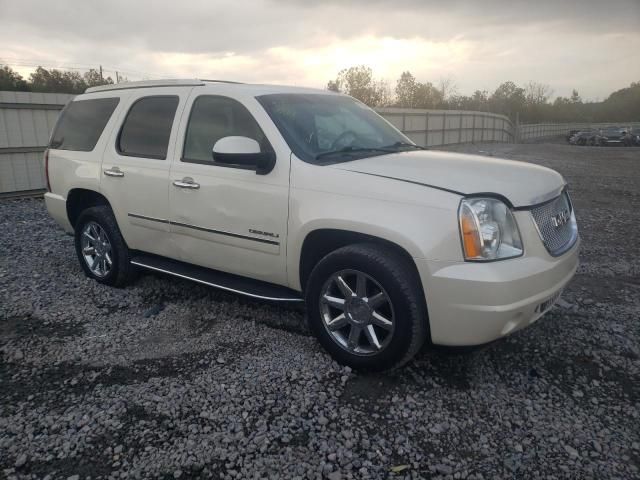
(146, 83)
(221, 81)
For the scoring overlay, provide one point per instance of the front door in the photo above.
(225, 216)
(135, 167)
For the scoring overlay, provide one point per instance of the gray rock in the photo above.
(443, 469)
(564, 304)
(571, 451)
(101, 373)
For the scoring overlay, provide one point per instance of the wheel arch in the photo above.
(79, 199)
(320, 242)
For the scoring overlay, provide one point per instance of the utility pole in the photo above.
(117, 78)
(101, 79)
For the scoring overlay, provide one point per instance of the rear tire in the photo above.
(102, 252)
(378, 326)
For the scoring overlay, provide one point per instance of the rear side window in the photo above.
(81, 123)
(147, 128)
(212, 118)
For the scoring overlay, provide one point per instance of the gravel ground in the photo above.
(172, 380)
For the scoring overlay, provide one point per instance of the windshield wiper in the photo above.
(394, 148)
(405, 144)
(349, 150)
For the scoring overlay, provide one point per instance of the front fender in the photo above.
(421, 231)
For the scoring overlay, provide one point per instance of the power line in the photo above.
(38, 62)
(14, 62)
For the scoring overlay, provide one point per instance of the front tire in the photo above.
(366, 307)
(101, 250)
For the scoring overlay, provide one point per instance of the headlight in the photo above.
(488, 229)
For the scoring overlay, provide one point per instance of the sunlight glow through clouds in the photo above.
(313, 66)
(193, 64)
(585, 44)
(387, 56)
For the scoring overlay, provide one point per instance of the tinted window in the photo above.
(212, 118)
(147, 128)
(81, 123)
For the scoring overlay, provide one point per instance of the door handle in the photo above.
(114, 172)
(186, 182)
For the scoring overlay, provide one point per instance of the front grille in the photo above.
(553, 219)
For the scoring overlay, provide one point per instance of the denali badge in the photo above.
(559, 219)
(267, 234)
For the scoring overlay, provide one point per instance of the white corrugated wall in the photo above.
(431, 128)
(26, 121)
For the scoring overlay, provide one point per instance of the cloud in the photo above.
(565, 44)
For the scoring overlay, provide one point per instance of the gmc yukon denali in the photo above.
(294, 194)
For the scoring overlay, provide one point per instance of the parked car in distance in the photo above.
(611, 136)
(571, 133)
(293, 194)
(583, 137)
(632, 137)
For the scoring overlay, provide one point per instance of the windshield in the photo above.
(326, 128)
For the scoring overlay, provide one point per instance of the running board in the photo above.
(213, 278)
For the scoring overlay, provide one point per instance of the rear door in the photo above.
(135, 166)
(234, 220)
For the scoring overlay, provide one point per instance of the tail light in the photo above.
(46, 168)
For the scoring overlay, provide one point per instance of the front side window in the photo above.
(147, 128)
(212, 118)
(326, 128)
(81, 123)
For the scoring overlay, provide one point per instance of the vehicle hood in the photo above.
(523, 184)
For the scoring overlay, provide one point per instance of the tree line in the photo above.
(530, 103)
(51, 81)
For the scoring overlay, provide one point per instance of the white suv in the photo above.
(293, 194)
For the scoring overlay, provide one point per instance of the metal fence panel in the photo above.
(26, 121)
(21, 171)
(443, 127)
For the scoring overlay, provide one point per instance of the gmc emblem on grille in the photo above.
(559, 219)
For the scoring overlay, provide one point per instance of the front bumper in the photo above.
(475, 303)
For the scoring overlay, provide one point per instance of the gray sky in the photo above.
(590, 45)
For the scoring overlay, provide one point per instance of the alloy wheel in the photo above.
(357, 312)
(96, 249)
